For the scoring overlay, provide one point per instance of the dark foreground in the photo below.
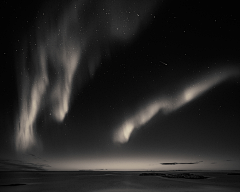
(119, 181)
(175, 175)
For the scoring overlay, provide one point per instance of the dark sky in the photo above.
(150, 85)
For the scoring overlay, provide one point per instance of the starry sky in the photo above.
(120, 85)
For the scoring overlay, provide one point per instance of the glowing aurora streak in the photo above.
(167, 105)
(68, 35)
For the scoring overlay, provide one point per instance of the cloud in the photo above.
(168, 163)
(17, 165)
(35, 157)
(31, 154)
(175, 163)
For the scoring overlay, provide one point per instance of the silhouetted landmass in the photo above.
(86, 170)
(12, 185)
(92, 170)
(233, 174)
(179, 175)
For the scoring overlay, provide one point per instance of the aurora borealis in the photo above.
(120, 85)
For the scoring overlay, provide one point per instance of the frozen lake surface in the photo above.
(114, 182)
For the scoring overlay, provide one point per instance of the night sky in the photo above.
(120, 85)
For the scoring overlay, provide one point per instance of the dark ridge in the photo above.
(12, 185)
(233, 174)
(180, 175)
